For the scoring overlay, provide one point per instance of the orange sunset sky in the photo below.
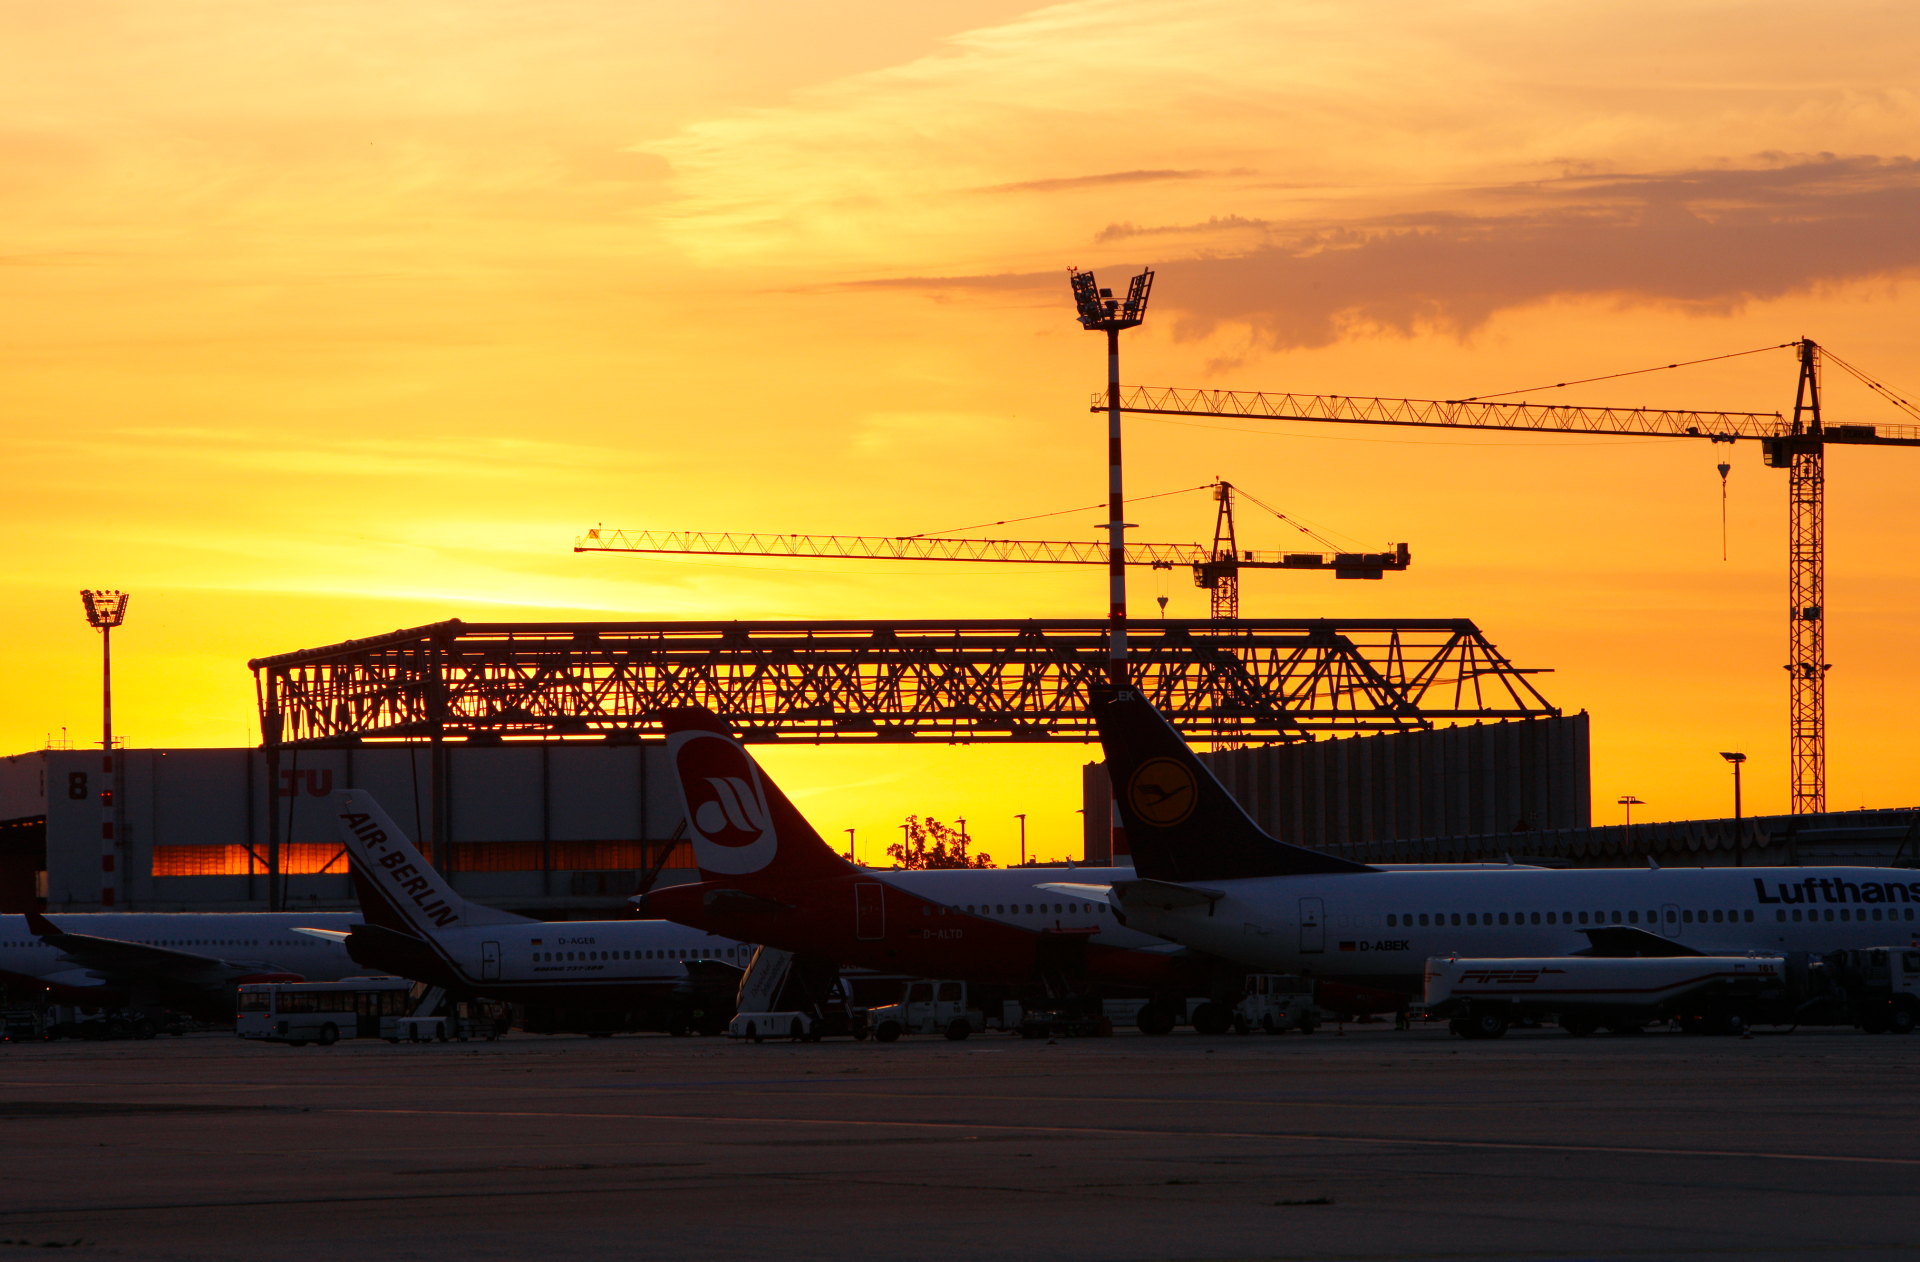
(326, 317)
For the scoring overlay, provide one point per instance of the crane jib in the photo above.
(1548, 418)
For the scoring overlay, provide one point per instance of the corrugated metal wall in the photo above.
(1486, 778)
(1456, 781)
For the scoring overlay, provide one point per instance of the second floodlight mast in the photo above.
(1101, 312)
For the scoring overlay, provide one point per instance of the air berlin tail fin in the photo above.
(742, 825)
(398, 888)
(1181, 824)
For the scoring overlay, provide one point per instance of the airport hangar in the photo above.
(521, 754)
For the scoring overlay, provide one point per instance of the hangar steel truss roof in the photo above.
(1257, 680)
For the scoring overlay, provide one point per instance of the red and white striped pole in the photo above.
(1116, 524)
(1099, 311)
(109, 844)
(105, 611)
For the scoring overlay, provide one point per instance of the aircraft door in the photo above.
(1670, 920)
(489, 961)
(1313, 926)
(869, 911)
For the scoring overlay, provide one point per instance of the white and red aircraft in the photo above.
(571, 974)
(769, 877)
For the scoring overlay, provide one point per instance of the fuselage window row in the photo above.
(1717, 916)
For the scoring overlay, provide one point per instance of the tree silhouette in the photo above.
(932, 844)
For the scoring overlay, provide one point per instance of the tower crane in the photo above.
(1216, 568)
(1797, 446)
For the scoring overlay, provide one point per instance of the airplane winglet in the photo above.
(325, 935)
(40, 925)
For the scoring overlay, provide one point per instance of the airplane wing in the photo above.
(116, 956)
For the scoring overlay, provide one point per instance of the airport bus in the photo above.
(324, 1012)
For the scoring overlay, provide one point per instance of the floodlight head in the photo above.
(1086, 298)
(1100, 311)
(1135, 309)
(104, 609)
(1733, 758)
(1630, 800)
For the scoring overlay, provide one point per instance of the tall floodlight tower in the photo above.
(1101, 312)
(105, 611)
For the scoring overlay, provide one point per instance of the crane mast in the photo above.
(1797, 445)
(1806, 590)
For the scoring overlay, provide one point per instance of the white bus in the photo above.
(323, 1012)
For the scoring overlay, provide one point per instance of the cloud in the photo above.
(1708, 239)
(1095, 181)
(1217, 224)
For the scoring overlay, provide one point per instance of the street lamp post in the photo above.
(105, 611)
(850, 858)
(1739, 834)
(1629, 801)
(1023, 839)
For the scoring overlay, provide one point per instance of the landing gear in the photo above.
(1579, 1024)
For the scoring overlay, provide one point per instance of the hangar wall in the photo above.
(1477, 779)
(550, 829)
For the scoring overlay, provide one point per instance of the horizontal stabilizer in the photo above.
(1165, 895)
(1085, 893)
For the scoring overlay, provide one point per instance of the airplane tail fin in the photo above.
(398, 889)
(741, 823)
(1181, 823)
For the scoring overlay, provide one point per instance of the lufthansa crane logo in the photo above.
(1162, 792)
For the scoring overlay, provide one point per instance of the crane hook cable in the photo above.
(1559, 385)
(954, 530)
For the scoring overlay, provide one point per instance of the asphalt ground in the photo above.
(1374, 1144)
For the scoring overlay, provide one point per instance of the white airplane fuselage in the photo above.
(585, 962)
(1384, 925)
(266, 939)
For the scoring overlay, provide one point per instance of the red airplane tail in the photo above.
(743, 826)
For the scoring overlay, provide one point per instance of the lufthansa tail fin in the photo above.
(1181, 824)
(741, 824)
(399, 889)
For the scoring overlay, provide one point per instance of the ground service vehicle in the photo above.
(933, 1007)
(1707, 993)
(783, 996)
(1881, 986)
(299, 1013)
(1275, 1002)
(947, 1008)
(1876, 989)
